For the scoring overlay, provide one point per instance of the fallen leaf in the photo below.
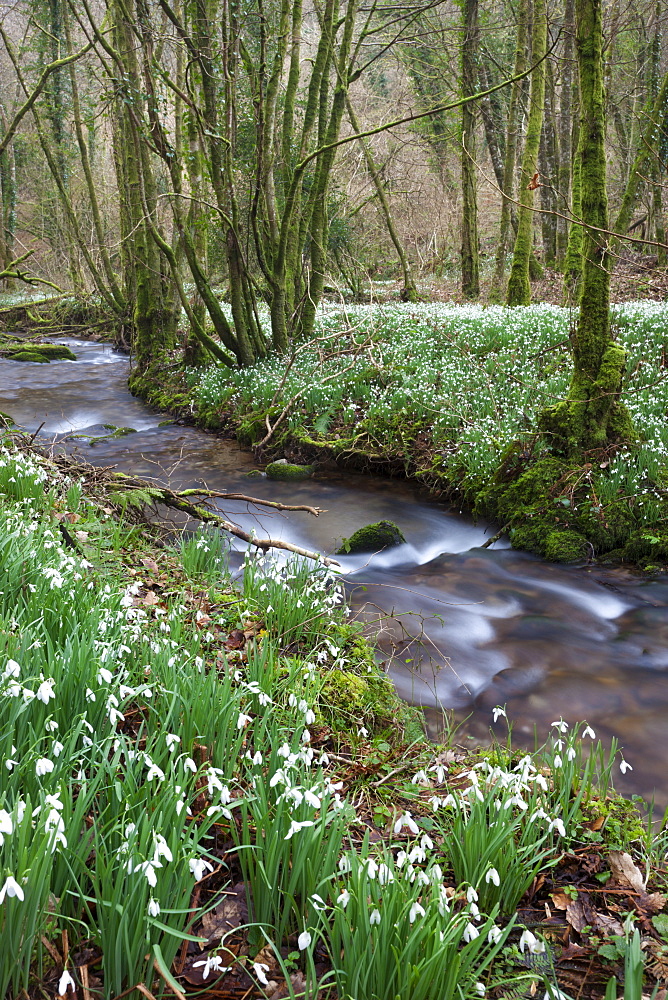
(150, 600)
(81, 536)
(625, 872)
(579, 915)
(230, 913)
(560, 900)
(150, 564)
(235, 640)
(654, 903)
(607, 925)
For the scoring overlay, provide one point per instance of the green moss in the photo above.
(372, 537)
(38, 352)
(566, 547)
(286, 471)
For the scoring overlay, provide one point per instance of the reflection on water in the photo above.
(461, 627)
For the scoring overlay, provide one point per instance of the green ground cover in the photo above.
(451, 395)
(211, 784)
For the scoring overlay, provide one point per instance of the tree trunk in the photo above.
(547, 164)
(469, 247)
(591, 417)
(512, 137)
(519, 287)
(565, 164)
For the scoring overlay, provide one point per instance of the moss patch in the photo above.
(287, 471)
(372, 537)
(38, 353)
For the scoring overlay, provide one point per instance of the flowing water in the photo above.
(462, 627)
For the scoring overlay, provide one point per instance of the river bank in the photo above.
(449, 396)
(219, 775)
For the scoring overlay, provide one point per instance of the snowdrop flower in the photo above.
(495, 934)
(212, 962)
(304, 940)
(172, 741)
(492, 876)
(416, 910)
(11, 888)
(557, 761)
(260, 970)
(90, 695)
(558, 825)
(243, 720)
(561, 726)
(43, 766)
(344, 864)
(531, 943)
(374, 917)
(318, 902)
(589, 732)
(51, 726)
(624, 766)
(12, 669)
(155, 772)
(190, 764)
(6, 825)
(480, 989)
(343, 898)
(296, 826)
(66, 983)
(162, 849)
(470, 933)
(45, 691)
(312, 799)
(471, 895)
(153, 907)
(406, 820)
(198, 866)
(104, 676)
(497, 711)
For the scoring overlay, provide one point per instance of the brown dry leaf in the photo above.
(654, 903)
(229, 914)
(560, 900)
(596, 824)
(150, 564)
(579, 915)
(625, 872)
(150, 600)
(607, 925)
(236, 639)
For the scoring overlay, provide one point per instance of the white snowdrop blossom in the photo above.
(531, 943)
(494, 934)
(261, 970)
(6, 825)
(589, 732)
(374, 917)
(296, 826)
(172, 741)
(198, 866)
(11, 888)
(212, 963)
(45, 691)
(343, 898)
(66, 983)
(624, 766)
(243, 720)
(304, 940)
(492, 876)
(498, 711)
(470, 933)
(415, 911)
(43, 766)
(153, 907)
(561, 726)
(408, 821)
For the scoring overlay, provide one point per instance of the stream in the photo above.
(461, 627)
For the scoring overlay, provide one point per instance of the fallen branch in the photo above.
(120, 488)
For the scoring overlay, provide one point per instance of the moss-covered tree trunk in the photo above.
(565, 164)
(592, 415)
(469, 246)
(512, 131)
(519, 287)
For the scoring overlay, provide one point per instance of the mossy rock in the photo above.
(114, 432)
(287, 471)
(372, 537)
(566, 547)
(38, 353)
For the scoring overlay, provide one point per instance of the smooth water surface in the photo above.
(461, 627)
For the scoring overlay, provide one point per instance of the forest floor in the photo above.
(211, 789)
